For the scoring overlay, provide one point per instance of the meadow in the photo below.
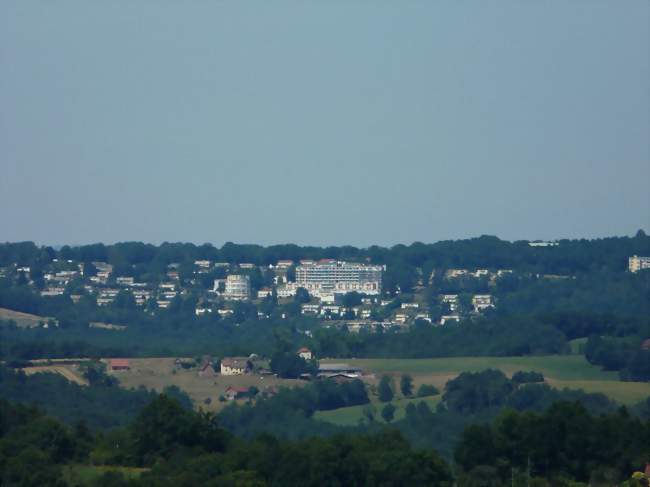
(560, 371)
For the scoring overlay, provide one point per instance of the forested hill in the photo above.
(567, 257)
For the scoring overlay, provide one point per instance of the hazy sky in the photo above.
(324, 122)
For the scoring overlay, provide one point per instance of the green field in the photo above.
(352, 415)
(561, 371)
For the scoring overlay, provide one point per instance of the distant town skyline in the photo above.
(323, 124)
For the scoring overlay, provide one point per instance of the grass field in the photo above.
(352, 415)
(65, 371)
(24, 320)
(560, 371)
(158, 373)
(571, 371)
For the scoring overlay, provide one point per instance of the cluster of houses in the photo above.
(251, 365)
(327, 282)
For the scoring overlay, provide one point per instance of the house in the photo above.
(447, 318)
(305, 353)
(265, 292)
(456, 273)
(481, 302)
(312, 309)
(233, 393)
(117, 364)
(401, 318)
(235, 365)
(645, 345)
(206, 370)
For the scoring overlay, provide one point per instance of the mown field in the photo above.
(352, 415)
(25, 320)
(158, 373)
(571, 371)
(560, 371)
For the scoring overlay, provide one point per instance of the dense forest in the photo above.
(170, 445)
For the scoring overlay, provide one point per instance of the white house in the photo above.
(305, 353)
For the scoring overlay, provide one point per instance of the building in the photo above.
(238, 287)
(451, 300)
(540, 243)
(481, 302)
(286, 291)
(310, 309)
(265, 292)
(305, 353)
(119, 364)
(448, 318)
(332, 370)
(637, 263)
(234, 365)
(233, 393)
(329, 276)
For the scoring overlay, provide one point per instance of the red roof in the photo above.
(119, 362)
(303, 350)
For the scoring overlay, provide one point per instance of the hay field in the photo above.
(158, 373)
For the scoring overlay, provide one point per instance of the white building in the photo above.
(328, 276)
(637, 263)
(265, 292)
(234, 365)
(238, 287)
(448, 318)
(481, 302)
(305, 353)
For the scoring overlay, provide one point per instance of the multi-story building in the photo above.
(637, 263)
(329, 276)
(238, 287)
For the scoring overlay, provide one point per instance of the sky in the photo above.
(323, 122)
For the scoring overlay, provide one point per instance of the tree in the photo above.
(406, 385)
(427, 390)
(388, 412)
(302, 296)
(385, 389)
(369, 412)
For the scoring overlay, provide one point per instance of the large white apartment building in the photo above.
(327, 277)
(238, 287)
(637, 263)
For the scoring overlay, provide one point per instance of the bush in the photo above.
(527, 377)
(427, 390)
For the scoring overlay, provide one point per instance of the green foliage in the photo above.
(471, 392)
(406, 385)
(427, 390)
(521, 377)
(385, 389)
(565, 441)
(388, 412)
(100, 405)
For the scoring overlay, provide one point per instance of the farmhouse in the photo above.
(235, 365)
(233, 393)
(305, 353)
(119, 364)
